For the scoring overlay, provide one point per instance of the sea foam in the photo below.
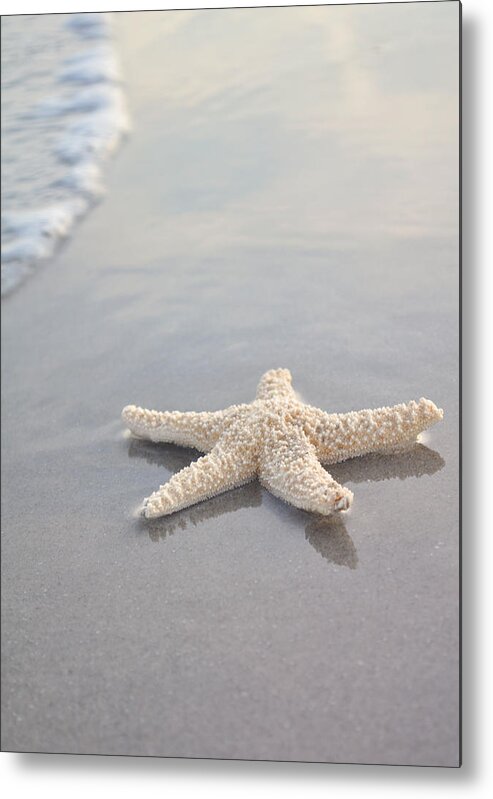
(36, 232)
(85, 119)
(91, 66)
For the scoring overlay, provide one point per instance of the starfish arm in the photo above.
(223, 468)
(199, 430)
(339, 436)
(275, 384)
(290, 470)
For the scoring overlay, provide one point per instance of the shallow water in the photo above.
(288, 198)
(63, 111)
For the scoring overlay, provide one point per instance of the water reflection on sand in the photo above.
(327, 535)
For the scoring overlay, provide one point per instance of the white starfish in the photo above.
(278, 439)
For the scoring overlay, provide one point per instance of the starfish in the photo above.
(278, 439)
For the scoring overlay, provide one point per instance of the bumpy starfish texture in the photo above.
(278, 439)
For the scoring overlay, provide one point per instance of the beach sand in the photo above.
(288, 197)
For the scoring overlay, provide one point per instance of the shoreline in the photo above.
(74, 106)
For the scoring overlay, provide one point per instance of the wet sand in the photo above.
(288, 198)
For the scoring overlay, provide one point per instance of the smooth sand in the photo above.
(288, 197)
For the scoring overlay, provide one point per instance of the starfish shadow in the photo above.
(247, 496)
(326, 534)
(415, 462)
(329, 537)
